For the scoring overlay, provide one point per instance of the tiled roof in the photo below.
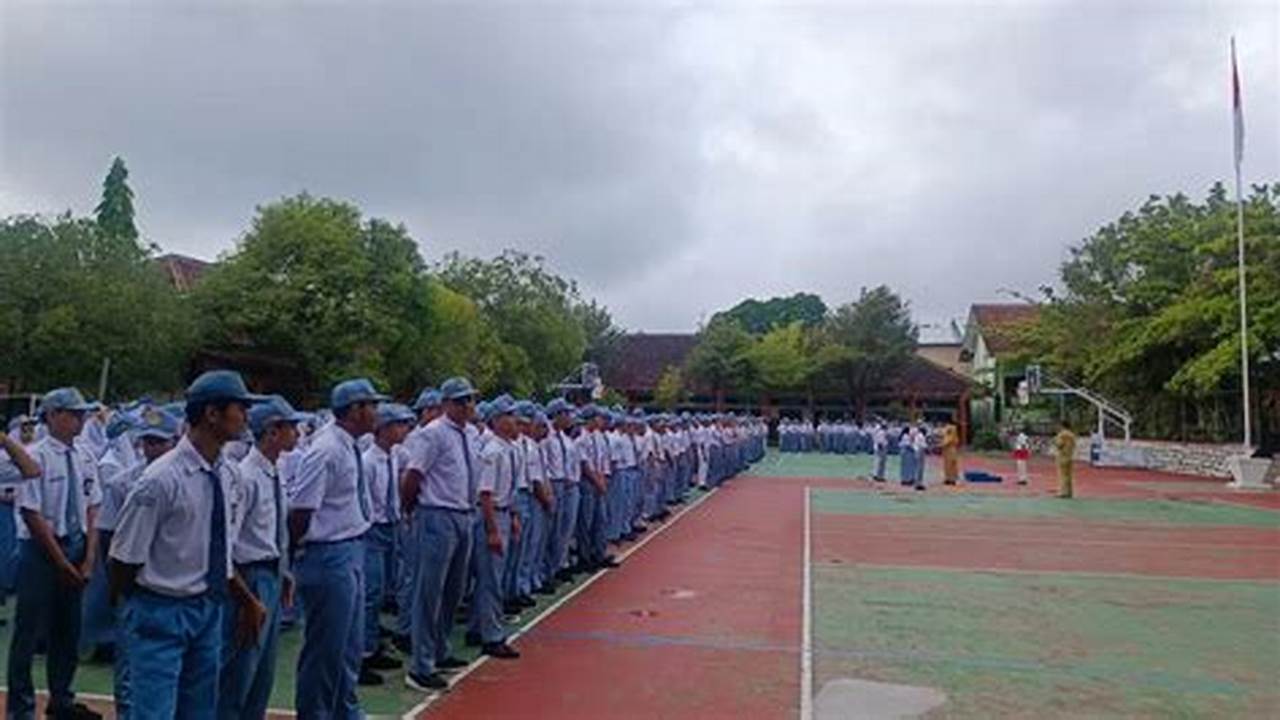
(641, 359)
(182, 271)
(999, 323)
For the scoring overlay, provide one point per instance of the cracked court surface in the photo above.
(1151, 595)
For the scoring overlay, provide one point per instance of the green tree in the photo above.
(72, 296)
(867, 341)
(311, 280)
(721, 360)
(115, 211)
(531, 309)
(670, 391)
(759, 317)
(1147, 311)
(603, 338)
(783, 358)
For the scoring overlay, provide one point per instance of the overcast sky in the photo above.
(673, 158)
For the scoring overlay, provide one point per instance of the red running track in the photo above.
(1049, 545)
(703, 622)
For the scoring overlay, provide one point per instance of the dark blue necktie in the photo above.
(282, 536)
(216, 574)
(361, 490)
(73, 499)
(466, 458)
(564, 456)
(392, 515)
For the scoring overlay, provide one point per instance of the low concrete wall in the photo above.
(1204, 459)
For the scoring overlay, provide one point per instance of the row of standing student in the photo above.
(193, 543)
(911, 443)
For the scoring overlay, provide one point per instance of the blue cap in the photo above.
(122, 422)
(220, 385)
(428, 398)
(558, 405)
(276, 409)
(393, 413)
(66, 398)
(349, 392)
(158, 424)
(540, 417)
(526, 409)
(457, 388)
(482, 409)
(501, 405)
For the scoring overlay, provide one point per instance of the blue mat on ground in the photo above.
(977, 476)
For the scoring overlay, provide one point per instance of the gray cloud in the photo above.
(672, 159)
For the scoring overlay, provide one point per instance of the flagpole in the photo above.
(1244, 313)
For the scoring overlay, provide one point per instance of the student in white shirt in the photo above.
(329, 513)
(259, 550)
(171, 560)
(382, 468)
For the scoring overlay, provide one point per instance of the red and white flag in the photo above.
(1237, 108)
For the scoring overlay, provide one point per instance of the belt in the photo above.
(272, 564)
(460, 511)
(329, 542)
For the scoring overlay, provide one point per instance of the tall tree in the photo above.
(759, 317)
(73, 296)
(602, 336)
(115, 211)
(782, 358)
(670, 391)
(721, 360)
(315, 282)
(1147, 310)
(867, 341)
(531, 309)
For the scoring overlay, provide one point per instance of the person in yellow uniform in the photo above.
(1064, 444)
(951, 454)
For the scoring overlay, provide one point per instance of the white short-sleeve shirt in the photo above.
(382, 469)
(261, 533)
(500, 469)
(165, 524)
(328, 484)
(47, 494)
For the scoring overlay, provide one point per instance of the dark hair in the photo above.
(195, 410)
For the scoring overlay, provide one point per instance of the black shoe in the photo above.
(524, 601)
(382, 661)
(511, 608)
(473, 640)
(369, 678)
(630, 537)
(78, 711)
(609, 562)
(434, 682)
(565, 575)
(402, 643)
(546, 589)
(919, 488)
(500, 650)
(452, 663)
(103, 654)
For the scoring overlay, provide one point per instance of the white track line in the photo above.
(478, 662)
(806, 632)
